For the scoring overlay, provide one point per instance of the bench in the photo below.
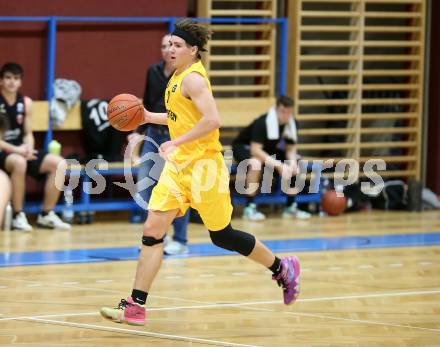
(235, 114)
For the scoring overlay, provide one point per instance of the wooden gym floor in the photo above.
(368, 279)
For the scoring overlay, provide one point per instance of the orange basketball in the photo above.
(332, 203)
(125, 112)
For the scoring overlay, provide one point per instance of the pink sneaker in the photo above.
(127, 312)
(288, 279)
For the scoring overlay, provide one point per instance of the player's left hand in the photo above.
(166, 150)
(31, 152)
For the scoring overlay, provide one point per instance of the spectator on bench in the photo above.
(270, 139)
(5, 193)
(20, 156)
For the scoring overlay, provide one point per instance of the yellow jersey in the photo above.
(183, 115)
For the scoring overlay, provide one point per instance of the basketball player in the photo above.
(193, 122)
(20, 156)
(5, 193)
(158, 76)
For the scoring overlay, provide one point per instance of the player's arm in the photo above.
(258, 152)
(155, 118)
(195, 87)
(291, 152)
(28, 136)
(9, 148)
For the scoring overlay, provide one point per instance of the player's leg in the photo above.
(132, 310)
(16, 165)
(213, 202)
(48, 164)
(150, 168)
(179, 241)
(285, 271)
(150, 257)
(253, 177)
(215, 209)
(5, 196)
(291, 209)
(177, 244)
(167, 201)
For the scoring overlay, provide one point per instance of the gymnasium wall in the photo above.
(105, 59)
(433, 154)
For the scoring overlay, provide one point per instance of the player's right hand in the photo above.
(31, 153)
(166, 150)
(23, 150)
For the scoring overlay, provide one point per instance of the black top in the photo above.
(14, 119)
(257, 132)
(155, 85)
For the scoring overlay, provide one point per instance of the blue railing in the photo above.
(52, 31)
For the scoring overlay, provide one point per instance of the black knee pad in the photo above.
(233, 240)
(150, 241)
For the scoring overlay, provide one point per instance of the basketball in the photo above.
(125, 112)
(333, 204)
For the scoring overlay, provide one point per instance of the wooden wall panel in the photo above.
(357, 77)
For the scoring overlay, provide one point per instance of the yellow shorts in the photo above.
(203, 185)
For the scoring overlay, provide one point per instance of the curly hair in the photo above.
(200, 32)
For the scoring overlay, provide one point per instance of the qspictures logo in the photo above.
(207, 172)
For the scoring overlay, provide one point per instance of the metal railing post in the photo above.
(283, 56)
(50, 73)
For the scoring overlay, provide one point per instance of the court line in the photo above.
(331, 298)
(98, 289)
(424, 263)
(363, 321)
(240, 304)
(141, 333)
(96, 255)
(104, 281)
(343, 319)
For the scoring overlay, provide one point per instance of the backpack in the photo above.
(356, 198)
(392, 196)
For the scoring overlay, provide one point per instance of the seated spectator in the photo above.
(21, 158)
(270, 140)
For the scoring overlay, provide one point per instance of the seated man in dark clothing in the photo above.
(270, 140)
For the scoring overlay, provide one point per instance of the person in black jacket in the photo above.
(151, 164)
